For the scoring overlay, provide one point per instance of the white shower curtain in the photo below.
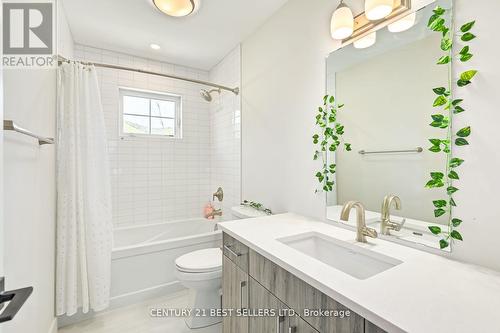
(84, 226)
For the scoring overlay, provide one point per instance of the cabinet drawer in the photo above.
(236, 251)
(300, 296)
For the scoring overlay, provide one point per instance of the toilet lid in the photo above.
(201, 261)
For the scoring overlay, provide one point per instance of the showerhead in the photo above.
(207, 94)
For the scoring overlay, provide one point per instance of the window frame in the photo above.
(150, 94)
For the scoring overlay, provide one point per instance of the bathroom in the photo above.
(203, 210)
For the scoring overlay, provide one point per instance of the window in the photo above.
(145, 113)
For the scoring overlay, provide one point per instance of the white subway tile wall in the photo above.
(156, 180)
(225, 132)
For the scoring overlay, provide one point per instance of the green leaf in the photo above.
(461, 142)
(440, 100)
(446, 44)
(435, 230)
(464, 132)
(453, 203)
(432, 19)
(443, 244)
(437, 24)
(456, 235)
(435, 149)
(463, 83)
(439, 212)
(456, 222)
(435, 142)
(456, 102)
(439, 203)
(439, 91)
(467, 26)
(466, 57)
(433, 183)
(331, 100)
(458, 109)
(437, 175)
(456, 162)
(340, 106)
(444, 60)
(439, 10)
(465, 50)
(467, 37)
(453, 175)
(437, 117)
(468, 75)
(450, 190)
(348, 146)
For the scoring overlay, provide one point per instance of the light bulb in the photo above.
(366, 41)
(176, 8)
(403, 24)
(378, 9)
(342, 24)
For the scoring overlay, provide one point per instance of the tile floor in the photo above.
(136, 319)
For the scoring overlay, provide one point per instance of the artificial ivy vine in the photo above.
(328, 140)
(444, 120)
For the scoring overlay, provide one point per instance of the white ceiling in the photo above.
(199, 41)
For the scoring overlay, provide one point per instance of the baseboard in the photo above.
(53, 326)
(123, 300)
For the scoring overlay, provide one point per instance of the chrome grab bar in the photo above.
(416, 150)
(9, 125)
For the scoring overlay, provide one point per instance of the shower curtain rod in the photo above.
(236, 90)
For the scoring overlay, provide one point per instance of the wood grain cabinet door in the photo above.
(298, 325)
(262, 306)
(235, 291)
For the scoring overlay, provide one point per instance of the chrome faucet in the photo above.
(386, 224)
(362, 229)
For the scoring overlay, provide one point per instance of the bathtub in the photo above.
(143, 259)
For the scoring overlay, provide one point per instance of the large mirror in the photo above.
(387, 92)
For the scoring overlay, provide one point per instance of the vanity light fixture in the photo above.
(155, 47)
(177, 8)
(366, 41)
(342, 24)
(403, 24)
(378, 9)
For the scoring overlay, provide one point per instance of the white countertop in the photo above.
(425, 294)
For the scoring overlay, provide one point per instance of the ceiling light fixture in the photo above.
(155, 46)
(177, 8)
(342, 24)
(403, 24)
(378, 9)
(366, 41)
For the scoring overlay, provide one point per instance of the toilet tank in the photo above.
(245, 212)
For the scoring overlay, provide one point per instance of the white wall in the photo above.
(225, 133)
(29, 187)
(283, 81)
(155, 180)
(283, 75)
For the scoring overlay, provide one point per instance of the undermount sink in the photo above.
(348, 258)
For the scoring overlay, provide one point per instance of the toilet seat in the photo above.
(201, 261)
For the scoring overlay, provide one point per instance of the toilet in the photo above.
(201, 272)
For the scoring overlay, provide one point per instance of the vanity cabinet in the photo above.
(235, 294)
(254, 284)
(281, 321)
